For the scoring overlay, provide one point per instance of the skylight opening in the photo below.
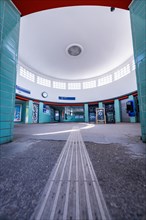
(27, 74)
(89, 84)
(105, 80)
(122, 72)
(74, 86)
(59, 85)
(43, 81)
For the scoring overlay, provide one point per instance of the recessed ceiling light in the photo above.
(74, 49)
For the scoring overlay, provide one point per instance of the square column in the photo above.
(9, 38)
(100, 105)
(29, 106)
(138, 24)
(86, 110)
(117, 111)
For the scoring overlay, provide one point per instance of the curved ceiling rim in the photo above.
(32, 6)
(34, 71)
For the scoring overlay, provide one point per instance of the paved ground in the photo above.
(117, 154)
(122, 177)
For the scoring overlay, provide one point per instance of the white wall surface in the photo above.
(125, 85)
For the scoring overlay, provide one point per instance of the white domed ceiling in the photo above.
(77, 42)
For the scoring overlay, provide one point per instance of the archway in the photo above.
(9, 57)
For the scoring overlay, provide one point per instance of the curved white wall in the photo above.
(122, 86)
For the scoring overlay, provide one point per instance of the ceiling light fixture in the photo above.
(74, 49)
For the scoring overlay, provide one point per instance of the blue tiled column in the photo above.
(117, 111)
(138, 23)
(86, 111)
(9, 37)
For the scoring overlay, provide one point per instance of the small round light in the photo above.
(74, 50)
(44, 94)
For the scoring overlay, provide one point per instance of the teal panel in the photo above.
(141, 70)
(138, 24)
(6, 94)
(7, 110)
(5, 125)
(86, 110)
(7, 118)
(117, 111)
(7, 63)
(52, 115)
(5, 139)
(6, 104)
(9, 36)
(6, 87)
(5, 79)
(30, 106)
(100, 105)
(5, 132)
(8, 54)
(43, 117)
(72, 118)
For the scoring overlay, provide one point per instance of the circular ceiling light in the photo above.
(74, 49)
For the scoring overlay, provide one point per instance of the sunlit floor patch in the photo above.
(88, 126)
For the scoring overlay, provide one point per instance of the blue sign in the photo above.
(22, 89)
(46, 109)
(66, 98)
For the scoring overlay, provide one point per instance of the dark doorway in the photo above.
(110, 113)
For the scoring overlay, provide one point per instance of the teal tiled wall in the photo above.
(43, 118)
(86, 110)
(138, 24)
(9, 38)
(117, 111)
(29, 106)
(100, 105)
(73, 119)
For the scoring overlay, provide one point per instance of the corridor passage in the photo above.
(72, 191)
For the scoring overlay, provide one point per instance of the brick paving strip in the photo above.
(72, 190)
